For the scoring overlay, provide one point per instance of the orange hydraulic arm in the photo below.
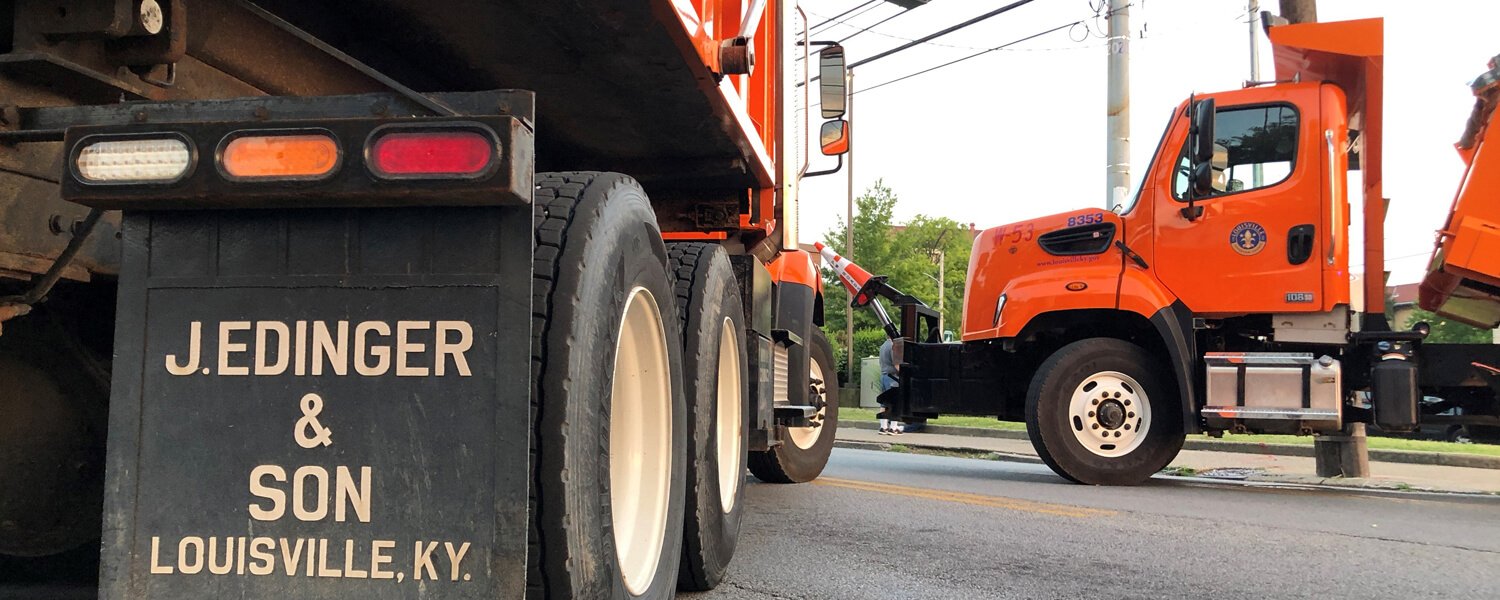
(867, 289)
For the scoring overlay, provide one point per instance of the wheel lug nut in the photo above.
(1091, 413)
(1117, 434)
(1096, 425)
(1127, 427)
(1127, 403)
(1096, 402)
(1131, 416)
(1117, 394)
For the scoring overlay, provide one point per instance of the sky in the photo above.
(1020, 133)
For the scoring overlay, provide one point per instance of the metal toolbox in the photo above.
(1273, 391)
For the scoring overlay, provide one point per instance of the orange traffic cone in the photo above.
(863, 287)
(852, 275)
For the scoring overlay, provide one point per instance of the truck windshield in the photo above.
(1135, 199)
(1254, 147)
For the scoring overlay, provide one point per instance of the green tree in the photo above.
(908, 255)
(1448, 331)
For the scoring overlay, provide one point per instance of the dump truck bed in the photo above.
(623, 86)
(1463, 278)
(619, 84)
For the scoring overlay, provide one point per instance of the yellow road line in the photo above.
(1059, 510)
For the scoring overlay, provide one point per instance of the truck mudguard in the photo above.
(798, 288)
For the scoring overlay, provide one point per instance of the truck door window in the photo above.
(1253, 148)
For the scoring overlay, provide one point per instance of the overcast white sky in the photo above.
(1019, 133)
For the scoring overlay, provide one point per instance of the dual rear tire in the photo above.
(608, 400)
(716, 372)
(639, 409)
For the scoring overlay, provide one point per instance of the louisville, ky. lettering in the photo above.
(310, 557)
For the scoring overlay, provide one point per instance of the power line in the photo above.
(932, 36)
(896, 37)
(1005, 46)
(959, 60)
(836, 17)
(846, 20)
(877, 24)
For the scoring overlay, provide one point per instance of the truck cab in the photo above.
(1268, 233)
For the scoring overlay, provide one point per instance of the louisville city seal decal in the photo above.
(1248, 238)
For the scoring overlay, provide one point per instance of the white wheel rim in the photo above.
(640, 440)
(1110, 414)
(805, 437)
(728, 415)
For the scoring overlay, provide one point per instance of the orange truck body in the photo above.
(1463, 279)
(754, 107)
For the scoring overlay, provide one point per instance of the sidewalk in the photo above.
(1243, 466)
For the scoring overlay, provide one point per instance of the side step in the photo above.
(797, 415)
(1273, 391)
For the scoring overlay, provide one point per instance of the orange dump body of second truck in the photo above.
(1463, 279)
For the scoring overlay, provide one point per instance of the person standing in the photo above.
(887, 381)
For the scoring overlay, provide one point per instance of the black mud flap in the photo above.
(320, 403)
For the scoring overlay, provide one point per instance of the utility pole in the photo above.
(1344, 454)
(1252, 8)
(935, 252)
(849, 226)
(942, 287)
(941, 260)
(1117, 176)
(1299, 11)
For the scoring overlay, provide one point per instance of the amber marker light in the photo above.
(279, 156)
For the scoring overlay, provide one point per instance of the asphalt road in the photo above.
(885, 525)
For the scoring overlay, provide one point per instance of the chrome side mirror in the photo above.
(832, 84)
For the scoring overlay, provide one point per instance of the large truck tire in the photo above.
(1099, 412)
(715, 379)
(610, 439)
(804, 451)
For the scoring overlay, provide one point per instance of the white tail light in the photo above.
(160, 160)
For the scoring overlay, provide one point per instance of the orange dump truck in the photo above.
(1219, 299)
(383, 299)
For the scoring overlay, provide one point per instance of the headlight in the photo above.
(999, 305)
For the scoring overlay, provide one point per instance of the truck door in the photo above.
(1254, 247)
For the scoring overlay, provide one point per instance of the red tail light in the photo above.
(432, 153)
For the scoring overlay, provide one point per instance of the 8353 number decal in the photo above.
(1086, 219)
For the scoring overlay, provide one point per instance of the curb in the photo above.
(976, 452)
(1350, 486)
(1472, 461)
(1293, 482)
